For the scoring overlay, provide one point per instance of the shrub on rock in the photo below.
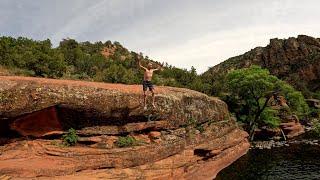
(71, 138)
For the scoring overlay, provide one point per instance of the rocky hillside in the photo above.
(295, 60)
(91, 61)
(188, 136)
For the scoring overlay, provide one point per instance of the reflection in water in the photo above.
(299, 161)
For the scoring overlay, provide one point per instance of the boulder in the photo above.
(292, 129)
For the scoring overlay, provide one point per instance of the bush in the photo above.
(315, 113)
(71, 138)
(126, 141)
(295, 99)
(316, 127)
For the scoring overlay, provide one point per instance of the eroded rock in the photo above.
(85, 104)
(167, 145)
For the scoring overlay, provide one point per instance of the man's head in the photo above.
(149, 65)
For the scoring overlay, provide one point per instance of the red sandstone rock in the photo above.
(108, 51)
(183, 164)
(110, 110)
(155, 134)
(142, 138)
(95, 139)
(38, 123)
(106, 104)
(292, 129)
(127, 128)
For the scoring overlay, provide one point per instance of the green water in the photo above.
(298, 161)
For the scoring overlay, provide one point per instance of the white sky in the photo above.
(184, 33)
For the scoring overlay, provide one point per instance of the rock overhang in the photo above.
(184, 124)
(79, 104)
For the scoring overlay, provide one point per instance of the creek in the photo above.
(297, 161)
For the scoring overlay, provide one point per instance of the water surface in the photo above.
(298, 161)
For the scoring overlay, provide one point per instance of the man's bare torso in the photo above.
(148, 75)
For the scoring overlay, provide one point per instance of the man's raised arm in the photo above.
(160, 66)
(139, 62)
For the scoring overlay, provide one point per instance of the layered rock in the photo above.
(295, 60)
(188, 135)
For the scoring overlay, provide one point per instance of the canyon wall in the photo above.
(294, 60)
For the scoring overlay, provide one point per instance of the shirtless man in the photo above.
(147, 81)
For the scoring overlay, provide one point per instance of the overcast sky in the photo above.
(185, 33)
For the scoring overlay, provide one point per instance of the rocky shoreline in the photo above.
(276, 144)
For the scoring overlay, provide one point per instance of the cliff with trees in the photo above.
(294, 60)
(100, 61)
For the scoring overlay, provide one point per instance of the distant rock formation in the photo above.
(295, 60)
(189, 135)
(108, 51)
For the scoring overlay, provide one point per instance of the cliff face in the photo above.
(295, 60)
(188, 135)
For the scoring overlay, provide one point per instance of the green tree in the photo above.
(250, 90)
(83, 60)
(295, 99)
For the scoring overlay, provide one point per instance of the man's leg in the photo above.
(151, 88)
(145, 88)
(144, 100)
(153, 97)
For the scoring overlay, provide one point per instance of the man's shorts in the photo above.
(146, 85)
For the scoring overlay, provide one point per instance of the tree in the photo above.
(83, 60)
(250, 90)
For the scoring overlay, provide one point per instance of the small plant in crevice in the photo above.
(71, 138)
(126, 141)
(192, 125)
(200, 128)
(191, 122)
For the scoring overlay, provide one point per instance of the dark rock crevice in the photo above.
(86, 121)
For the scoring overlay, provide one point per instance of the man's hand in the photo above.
(160, 66)
(138, 59)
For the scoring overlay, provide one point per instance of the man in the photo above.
(148, 73)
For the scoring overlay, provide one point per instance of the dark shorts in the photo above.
(146, 85)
